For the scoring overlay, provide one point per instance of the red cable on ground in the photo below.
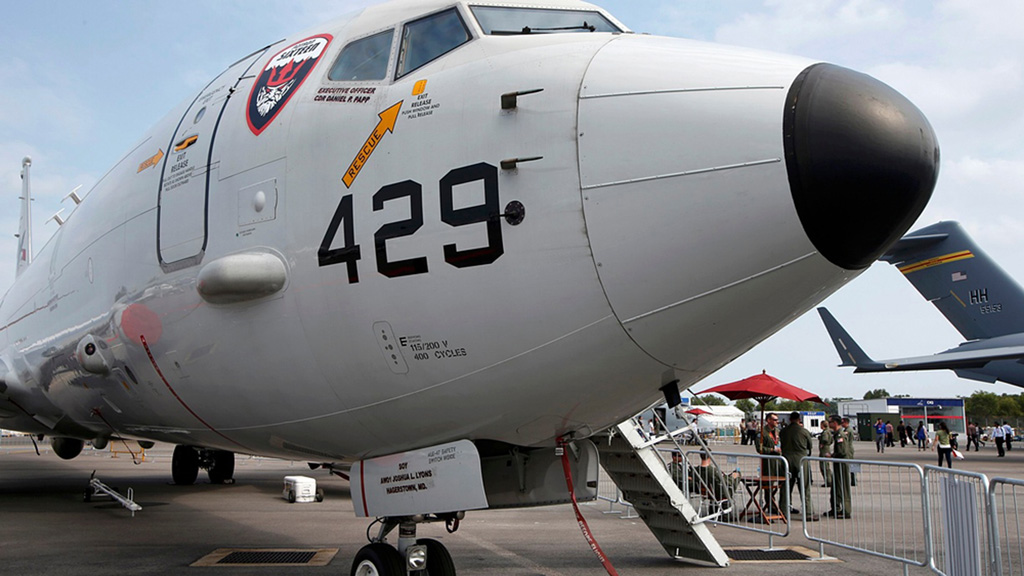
(584, 527)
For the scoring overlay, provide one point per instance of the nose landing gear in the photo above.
(187, 460)
(421, 557)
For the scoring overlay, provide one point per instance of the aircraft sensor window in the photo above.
(429, 38)
(501, 21)
(364, 59)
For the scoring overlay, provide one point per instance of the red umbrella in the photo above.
(764, 389)
(697, 411)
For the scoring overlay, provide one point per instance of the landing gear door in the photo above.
(444, 478)
(182, 205)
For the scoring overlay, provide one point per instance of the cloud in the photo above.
(814, 28)
(40, 102)
(984, 195)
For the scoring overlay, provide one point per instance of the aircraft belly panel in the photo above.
(552, 397)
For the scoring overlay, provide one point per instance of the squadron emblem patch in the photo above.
(281, 78)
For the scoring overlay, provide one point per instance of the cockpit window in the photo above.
(364, 59)
(430, 37)
(502, 21)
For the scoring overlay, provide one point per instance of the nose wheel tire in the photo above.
(439, 560)
(378, 559)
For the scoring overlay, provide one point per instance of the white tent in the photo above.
(721, 418)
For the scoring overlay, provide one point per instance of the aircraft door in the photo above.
(183, 202)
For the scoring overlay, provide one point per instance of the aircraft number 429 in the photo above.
(488, 212)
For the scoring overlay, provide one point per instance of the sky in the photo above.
(87, 79)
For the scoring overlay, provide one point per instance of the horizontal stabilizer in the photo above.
(956, 359)
(953, 360)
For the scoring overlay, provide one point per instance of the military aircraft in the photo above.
(436, 238)
(978, 298)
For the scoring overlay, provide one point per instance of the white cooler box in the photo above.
(301, 489)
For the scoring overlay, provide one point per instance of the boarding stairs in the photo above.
(633, 463)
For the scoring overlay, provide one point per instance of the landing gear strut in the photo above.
(421, 557)
(187, 460)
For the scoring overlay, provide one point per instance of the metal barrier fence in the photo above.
(18, 441)
(608, 491)
(1005, 499)
(959, 521)
(757, 487)
(715, 493)
(883, 514)
(954, 522)
(705, 487)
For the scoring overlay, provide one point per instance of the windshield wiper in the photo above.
(528, 30)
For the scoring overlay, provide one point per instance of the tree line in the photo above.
(981, 406)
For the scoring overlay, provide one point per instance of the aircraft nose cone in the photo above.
(862, 162)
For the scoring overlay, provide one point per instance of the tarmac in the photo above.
(47, 528)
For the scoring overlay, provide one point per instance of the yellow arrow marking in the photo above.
(151, 161)
(388, 118)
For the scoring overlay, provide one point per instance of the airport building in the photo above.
(911, 411)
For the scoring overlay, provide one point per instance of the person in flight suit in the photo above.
(796, 444)
(840, 493)
(849, 447)
(825, 451)
(769, 445)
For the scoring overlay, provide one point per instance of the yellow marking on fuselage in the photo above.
(186, 143)
(388, 118)
(151, 161)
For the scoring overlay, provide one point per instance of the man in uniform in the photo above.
(849, 447)
(796, 445)
(676, 469)
(769, 445)
(840, 493)
(825, 451)
(708, 480)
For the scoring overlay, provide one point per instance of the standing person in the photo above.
(1008, 435)
(888, 434)
(921, 435)
(751, 432)
(901, 430)
(743, 432)
(769, 445)
(839, 495)
(879, 436)
(825, 451)
(944, 444)
(796, 445)
(999, 435)
(972, 436)
(849, 446)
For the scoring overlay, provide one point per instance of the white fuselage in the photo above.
(659, 242)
